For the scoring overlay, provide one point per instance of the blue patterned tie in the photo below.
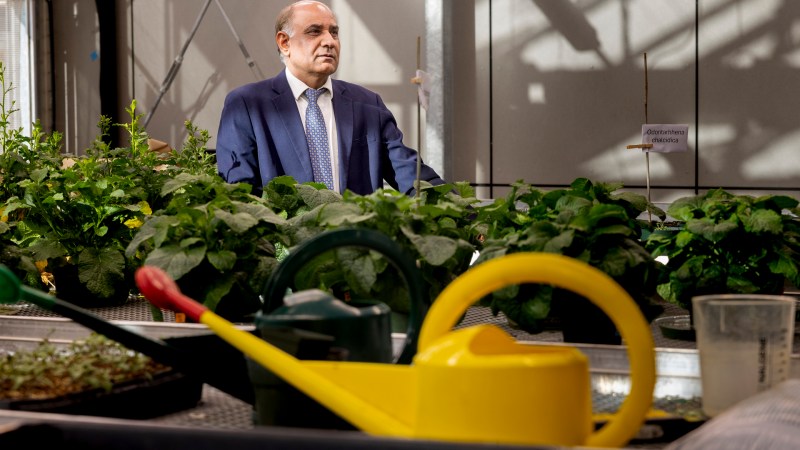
(317, 137)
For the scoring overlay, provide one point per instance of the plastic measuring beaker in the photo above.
(745, 345)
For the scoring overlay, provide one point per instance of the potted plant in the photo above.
(728, 243)
(215, 239)
(592, 222)
(16, 153)
(78, 214)
(434, 228)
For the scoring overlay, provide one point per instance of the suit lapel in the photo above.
(286, 105)
(343, 111)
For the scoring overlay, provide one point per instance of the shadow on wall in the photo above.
(563, 110)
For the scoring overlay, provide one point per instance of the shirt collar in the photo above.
(299, 88)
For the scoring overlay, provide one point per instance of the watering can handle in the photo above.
(583, 279)
(279, 281)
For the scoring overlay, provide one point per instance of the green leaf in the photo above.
(38, 175)
(710, 230)
(47, 248)
(614, 230)
(342, 214)
(314, 197)
(217, 290)
(535, 309)
(780, 201)
(559, 243)
(181, 181)
(785, 266)
(155, 228)
(447, 223)
(615, 263)
(572, 203)
(685, 208)
(435, 250)
(581, 184)
(190, 241)
(177, 261)
(260, 212)
(665, 291)
(359, 269)
(239, 223)
(685, 237)
(607, 214)
(101, 270)
(222, 260)
(638, 201)
(740, 285)
(763, 221)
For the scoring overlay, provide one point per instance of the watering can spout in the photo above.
(389, 389)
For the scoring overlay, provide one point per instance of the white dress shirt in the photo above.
(325, 102)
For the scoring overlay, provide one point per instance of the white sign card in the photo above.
(666, 138)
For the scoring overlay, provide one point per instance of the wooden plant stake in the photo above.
(418, 81)
(645, 147)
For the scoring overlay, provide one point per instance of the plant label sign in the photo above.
(666, 138)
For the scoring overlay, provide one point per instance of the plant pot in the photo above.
(582, 321)
(278, 403)
(70, 288)
(682, 327)
(677, 327)
(239, 305)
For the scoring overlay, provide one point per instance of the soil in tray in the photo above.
(96, 377)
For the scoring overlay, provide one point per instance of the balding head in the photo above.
(284, 20)
(307, 36)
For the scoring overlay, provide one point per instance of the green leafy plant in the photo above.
(16, 153)
(194, 156)
(434, 229)
(79, 216)
(215, 239)
(20, 153)
(591, 222)
(729, 244)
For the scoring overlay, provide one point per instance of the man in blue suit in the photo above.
(263, 129)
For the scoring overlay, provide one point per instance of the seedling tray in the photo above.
(145, 398)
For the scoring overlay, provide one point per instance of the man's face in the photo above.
(312, 52)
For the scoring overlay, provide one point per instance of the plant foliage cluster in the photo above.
(435, 228)
(593, 222)
(214, 238)
(729, 244)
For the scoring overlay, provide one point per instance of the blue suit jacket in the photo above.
(261, 136)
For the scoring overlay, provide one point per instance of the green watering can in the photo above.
(312, 324)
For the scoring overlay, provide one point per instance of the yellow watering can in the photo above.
(476, 384)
